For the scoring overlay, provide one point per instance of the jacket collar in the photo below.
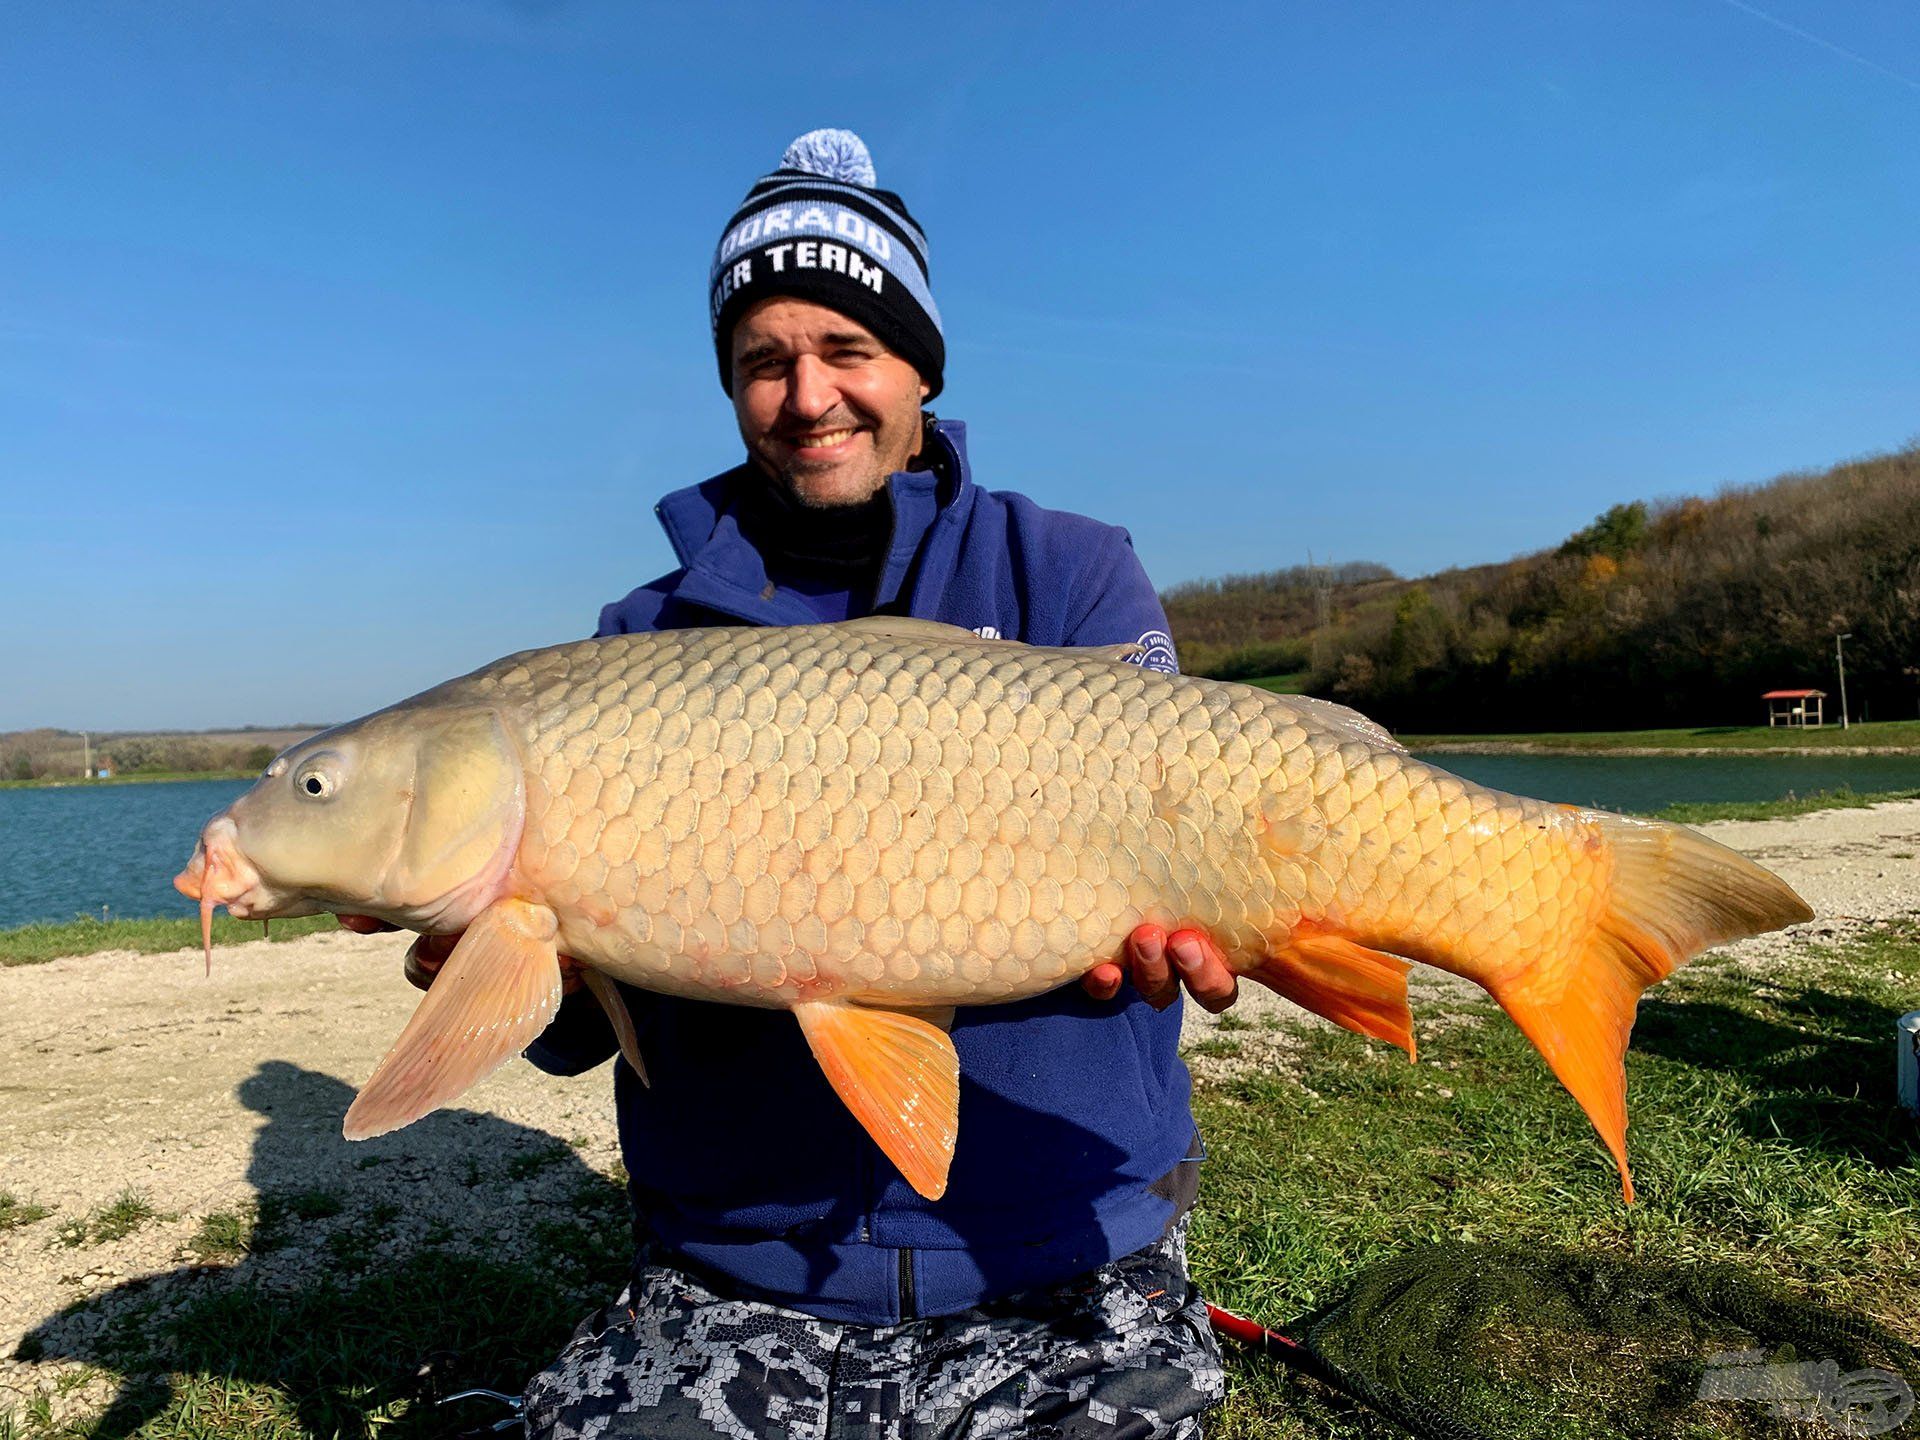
(722, 570)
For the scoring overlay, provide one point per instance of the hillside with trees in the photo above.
(1675, 612)
(49, 754)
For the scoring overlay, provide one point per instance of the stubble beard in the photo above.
(793, 479)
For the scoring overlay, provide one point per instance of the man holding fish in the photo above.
(792, 776)
(1048, 1286)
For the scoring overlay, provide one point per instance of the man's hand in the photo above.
(1159, 962)
(429, 952)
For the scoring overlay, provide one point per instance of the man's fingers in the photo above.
(365, 924)
(418, 969)
(1103, 981)
(1147, 959)
(1203, 968)
(425, 957)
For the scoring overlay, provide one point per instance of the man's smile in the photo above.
(822, 444)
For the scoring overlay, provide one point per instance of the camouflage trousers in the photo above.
(1123, 1353)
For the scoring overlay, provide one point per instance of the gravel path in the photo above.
(121, 1070)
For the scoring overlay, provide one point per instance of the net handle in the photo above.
(1289, 1351)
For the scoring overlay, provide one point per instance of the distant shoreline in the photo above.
(168, 778)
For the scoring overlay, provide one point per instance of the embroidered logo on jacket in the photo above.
(1159, 652)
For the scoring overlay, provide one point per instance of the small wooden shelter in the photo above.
(1794, 707)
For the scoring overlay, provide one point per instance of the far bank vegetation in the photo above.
(48, 754)
(1670, 612)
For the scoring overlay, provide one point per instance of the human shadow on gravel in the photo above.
(372, 1277)
(378, 1276)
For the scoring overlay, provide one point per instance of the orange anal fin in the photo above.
(493, 997)
(1342, 980)
(899, 1075)
(611, 1001)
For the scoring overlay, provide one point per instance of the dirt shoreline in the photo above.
(121, 1070)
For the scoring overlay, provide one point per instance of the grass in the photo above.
(1764, 1137)
(1294, 683)
(118, 1218)
(34, 944)
(15, 1212)
(1703, 811)
(223, 1235)
(1889, 734)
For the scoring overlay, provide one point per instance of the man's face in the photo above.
(826, 410)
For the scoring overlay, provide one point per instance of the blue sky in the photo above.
(346, 346)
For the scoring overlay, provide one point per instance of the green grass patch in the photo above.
(1699, 812)
(223, 1235)
(1891, 734)
(1764, 1137)
(1292, 684)
(117, 1219)
(35, 944)
(1215, 1049)
(15, 1212)
(121, 1216)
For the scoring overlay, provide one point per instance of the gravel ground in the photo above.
(136, 1071)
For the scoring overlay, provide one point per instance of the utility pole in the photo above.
(1840, 659)
(86, 749)
(1321, 578)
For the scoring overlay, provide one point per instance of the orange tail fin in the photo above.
(1674, 893)
(1363, 990)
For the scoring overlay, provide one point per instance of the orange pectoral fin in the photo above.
(493, 997)
(899, 1075)
(1342, 980)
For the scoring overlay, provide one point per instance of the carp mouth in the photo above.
(219, 874)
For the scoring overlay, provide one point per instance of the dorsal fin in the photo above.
(906, 627)
(1349, 723)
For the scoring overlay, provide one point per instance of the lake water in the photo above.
(70, 851)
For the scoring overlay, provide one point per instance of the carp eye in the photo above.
(314, 781)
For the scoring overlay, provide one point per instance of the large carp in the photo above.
(873, 822)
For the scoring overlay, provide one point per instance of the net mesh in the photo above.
(1464, 1342)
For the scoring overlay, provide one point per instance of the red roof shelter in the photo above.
(1790, 707)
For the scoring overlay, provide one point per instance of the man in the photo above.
(789, 1282)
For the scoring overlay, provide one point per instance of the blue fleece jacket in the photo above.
(1074, 1117)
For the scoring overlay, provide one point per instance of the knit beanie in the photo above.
(819, 229)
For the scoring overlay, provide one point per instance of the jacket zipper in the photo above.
(907, 1311)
